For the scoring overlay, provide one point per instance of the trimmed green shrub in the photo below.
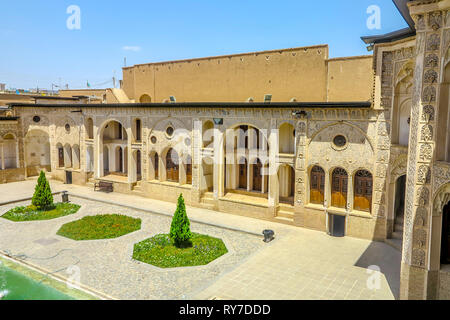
(42, 198)
(180, 231)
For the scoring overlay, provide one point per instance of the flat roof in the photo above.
(248, 105)
(229, 55)
(54, 98)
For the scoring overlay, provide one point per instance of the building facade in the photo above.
(356, 146)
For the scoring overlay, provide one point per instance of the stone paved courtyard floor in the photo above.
(299, 264)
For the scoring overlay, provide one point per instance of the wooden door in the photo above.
(363, 191)
(257, 176)
(172, 166)
(339, 188)
(317, 192)
(243, 175)
(61, 157)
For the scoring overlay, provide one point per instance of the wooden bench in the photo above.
(103, 186)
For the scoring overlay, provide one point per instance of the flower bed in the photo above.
(161, 251)
(32, 213)
(100, 227)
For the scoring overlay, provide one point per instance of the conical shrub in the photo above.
(42, 197)
(180, 231)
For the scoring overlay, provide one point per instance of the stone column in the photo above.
(132, 176)
(3, 156)
(418, 281)
(274, 188)
(197, 173)
(301, 175)
(218, 164)
(98, 154)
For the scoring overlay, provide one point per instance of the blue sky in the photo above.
(37, 49)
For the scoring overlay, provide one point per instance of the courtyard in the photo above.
(298, 264)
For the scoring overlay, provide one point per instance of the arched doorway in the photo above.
(399, 204)
(114, 137)
(9, 152)
(445, 237)
(286, 178)
(339, 187)
(362, 190)
(37, 152)
(317, 185)
(172, 166)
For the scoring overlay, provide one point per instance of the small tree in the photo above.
(180, 231)
(42, 197)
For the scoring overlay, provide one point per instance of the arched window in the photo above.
(76, 157)
(67, 156)
(339, 186)
(156, 166)
(145, 98)
(363, 191)
(60, 156)
(137, 130)
(90, 128)
(172, 166)
(317, 185)
(287, 138)
(138, 166)
(208, 134)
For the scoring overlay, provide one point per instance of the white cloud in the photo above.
(131, 48)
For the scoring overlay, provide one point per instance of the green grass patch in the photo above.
(107, 226)
(161, 251)
(32, 213)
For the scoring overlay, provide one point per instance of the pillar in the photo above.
(274, 188)
(219, 154)
(418, 279)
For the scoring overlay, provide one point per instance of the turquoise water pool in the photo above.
(16, 286)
